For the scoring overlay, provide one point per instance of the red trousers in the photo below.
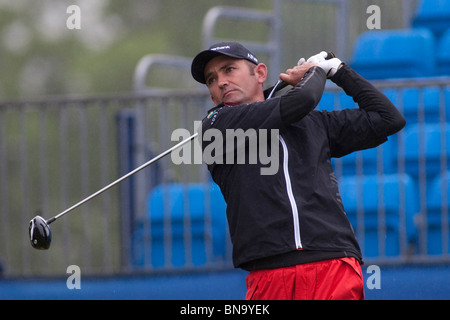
(336, 279)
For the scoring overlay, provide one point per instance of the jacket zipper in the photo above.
(287, 178)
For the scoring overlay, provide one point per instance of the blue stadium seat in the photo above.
(335, 101)
(433, 15)
(425, 149)
(443, 54)
(184, 220)
(438, 203)
(427, 100)
(374, 194)
(394, 54)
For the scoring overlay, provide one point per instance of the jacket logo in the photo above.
(211, 114)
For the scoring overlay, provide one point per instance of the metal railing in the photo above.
(57, 151)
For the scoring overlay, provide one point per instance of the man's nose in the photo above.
(222, 81)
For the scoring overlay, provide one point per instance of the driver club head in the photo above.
(40, 233)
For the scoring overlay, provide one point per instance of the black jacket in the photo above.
(296, 215)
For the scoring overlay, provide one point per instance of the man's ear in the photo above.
(261, 72)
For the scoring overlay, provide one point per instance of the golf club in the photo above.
(39, 229)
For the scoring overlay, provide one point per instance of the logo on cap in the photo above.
(220, 48)
(250, 56)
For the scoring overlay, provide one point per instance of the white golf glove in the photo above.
(301, 61)
(329, 66)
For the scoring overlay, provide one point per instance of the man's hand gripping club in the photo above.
(327, 61)
(324, 60)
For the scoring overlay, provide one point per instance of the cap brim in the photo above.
(199, 63)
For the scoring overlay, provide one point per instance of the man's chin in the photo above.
(232, 103)
(233, 98)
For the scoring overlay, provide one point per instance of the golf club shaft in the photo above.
(162, 155)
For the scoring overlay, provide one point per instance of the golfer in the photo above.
(290, 229)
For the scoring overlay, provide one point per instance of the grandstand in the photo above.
(164, 235)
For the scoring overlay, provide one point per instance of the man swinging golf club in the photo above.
(290, 229)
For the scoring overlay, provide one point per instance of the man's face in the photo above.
(235, 81)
